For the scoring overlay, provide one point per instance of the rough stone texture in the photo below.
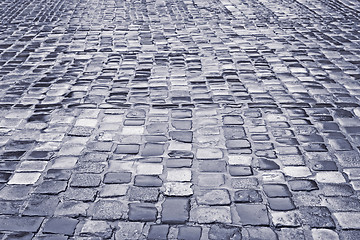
(211, 214)
(129, 230)
(225, 119)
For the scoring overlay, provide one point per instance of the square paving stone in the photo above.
(24, 178)
(265, 164)
(81, 194)
(85, 180)
(330, 177)
(113, 190)
(253, 214)
(211, 180)
(60, 225)
(134, 122)
(342, 203)
(324, 234)
(286, 218)
(237, 170)
(100, 146)
(8, 165)
(261, 233)
(109, 210)
(179, 175)
(303, 185)
(182, 136)
(147, 181)
(72, 209)
(324, 166)
(213, 197)
(81, 131)
(41, 205)
(118, 177)
(244, 183)
(127, 148)
(189, 233)
(211, 214)
(64, 163)
(32, 166)
(212, 166)
(146, 194)
(237, 144)
(158, 232)
(94, 157)
(157, 128)
(15, 192)
(150, 169)
(181, 113)
(178, 189)
(10, 207)
(175, 210)
(4, 177)
(332, 190)
(51, 187)
(142, 212)
(129, 230)
(348, 220)
(100, 229)
(233, 120)
(276, 190)
(153, 149)
(182, 124)
(224, 232)
(317, 217)
(232, 132)
(247, 196)
(281, 204)
(19, 236)
(209, 153)
(20, 224)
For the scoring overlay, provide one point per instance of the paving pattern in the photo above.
(180, 119)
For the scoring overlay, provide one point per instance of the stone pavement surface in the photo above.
(180, 119)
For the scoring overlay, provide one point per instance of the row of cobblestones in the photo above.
(179, 119)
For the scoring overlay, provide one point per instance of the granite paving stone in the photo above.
(177, 119)
(60, 225)
(129, 230)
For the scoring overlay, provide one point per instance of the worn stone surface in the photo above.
(224, 119)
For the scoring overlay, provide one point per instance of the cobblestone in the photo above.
(177, 119)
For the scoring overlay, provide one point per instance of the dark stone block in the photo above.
(303, 185)
(41, 205)
(281, 204)
(175, 210)
(144, 212)
(252, 214)
(147, 181)
(20, 224)
(276, 190)
(127, 148)
(60, 225)
(117, 177)
(236, 170)
(158, 232)
(182, 136)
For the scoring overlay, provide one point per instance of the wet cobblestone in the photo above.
(179, 119)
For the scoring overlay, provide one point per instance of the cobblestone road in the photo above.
(180, 119)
